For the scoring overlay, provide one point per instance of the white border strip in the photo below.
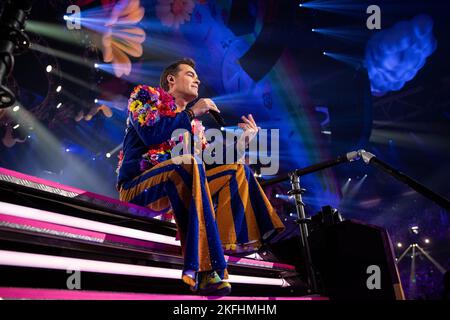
(36, 214)
(33, 260)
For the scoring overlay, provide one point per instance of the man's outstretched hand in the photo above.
(250, 130)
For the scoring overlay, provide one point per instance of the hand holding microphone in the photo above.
(205, 105)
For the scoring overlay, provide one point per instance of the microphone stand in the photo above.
(370, 158)
(297, 191)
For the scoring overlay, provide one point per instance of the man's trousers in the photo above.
(222, 208)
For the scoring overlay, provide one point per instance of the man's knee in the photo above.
(187, 162)
(185, 159)
(244, 167)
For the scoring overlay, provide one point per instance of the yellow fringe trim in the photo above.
(188, 280)
(225, 274)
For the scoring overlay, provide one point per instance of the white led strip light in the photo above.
(36, 214)
(32, 260)
(51, 217)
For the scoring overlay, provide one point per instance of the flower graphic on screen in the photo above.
(122, 38)
(173, 13)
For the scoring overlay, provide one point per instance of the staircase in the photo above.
(60, 242)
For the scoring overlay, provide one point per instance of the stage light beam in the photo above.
(357, 187)
(344, 34)
(432, 260)
(355, 62)
(345, 187)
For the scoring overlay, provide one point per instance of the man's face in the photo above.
(186, 82)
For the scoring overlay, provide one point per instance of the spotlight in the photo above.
(324, 53)
(59, 105)
(277, 195)
(415, 229)
(108, 155)
(67, 150)
(49, 68)
(427, 240)
(93, 158)
(95, 100)
(58, 89)
(349, 179)
(313, 30)
(399, 245)
(300, 5)
(65, 17)
(95, 65)
(29, 137)
(16, 126)
(222, 128)
(16, 108)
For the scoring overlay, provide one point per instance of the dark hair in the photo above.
(173, 70)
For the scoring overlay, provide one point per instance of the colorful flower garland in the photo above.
(157, 154)
(199, 133)
(148, 105)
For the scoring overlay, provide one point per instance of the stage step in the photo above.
(46, 228)
(51, 294)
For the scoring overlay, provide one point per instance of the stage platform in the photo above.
(49, 231)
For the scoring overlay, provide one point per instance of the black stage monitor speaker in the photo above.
(352, 260)
(355, 261)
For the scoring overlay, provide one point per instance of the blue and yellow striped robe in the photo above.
(239, 219)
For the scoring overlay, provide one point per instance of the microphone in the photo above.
(217, 117)
(214, 114)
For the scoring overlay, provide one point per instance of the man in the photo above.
(242, 218)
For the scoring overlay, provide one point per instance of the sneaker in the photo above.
(210, 284)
